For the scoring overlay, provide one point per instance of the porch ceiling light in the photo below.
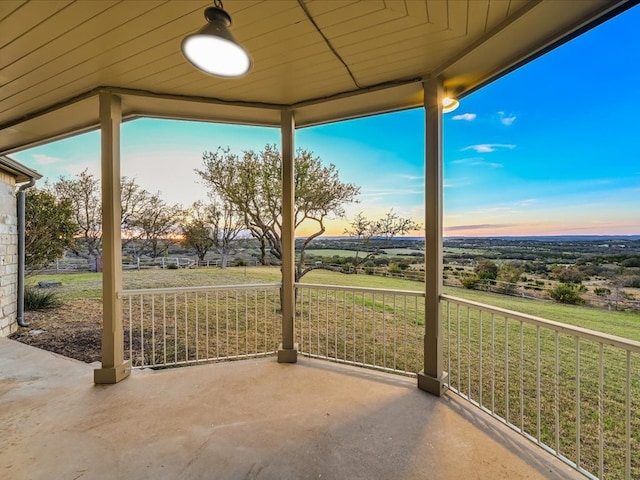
(449, 104)
(213, 49)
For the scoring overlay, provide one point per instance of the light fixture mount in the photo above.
(213, 49)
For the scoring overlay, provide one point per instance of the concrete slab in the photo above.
(246, 420)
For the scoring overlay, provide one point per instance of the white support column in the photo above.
(114, 368)
(288, 351)
(433, 379)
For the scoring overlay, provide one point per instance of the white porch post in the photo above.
(433, 379)
(288, 351)
(114, 368)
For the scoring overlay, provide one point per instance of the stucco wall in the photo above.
(8, 254)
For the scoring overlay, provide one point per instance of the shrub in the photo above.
(601, 291)
(36, 299)
(565, 293)
(369, 270)
(631, 262)
(486, 270)
(469, 281)
(240, 262)
(172, 266)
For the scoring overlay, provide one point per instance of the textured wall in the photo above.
(8, 254)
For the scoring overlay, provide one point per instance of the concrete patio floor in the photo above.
(245, 420)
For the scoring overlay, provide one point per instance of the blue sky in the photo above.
(550, 149)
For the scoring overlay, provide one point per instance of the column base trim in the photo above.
(288, 355)
(435, 386)
(110, 375)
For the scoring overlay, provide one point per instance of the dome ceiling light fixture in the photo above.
(449, 104)
(213, 49)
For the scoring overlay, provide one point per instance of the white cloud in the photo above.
(488, 147)
(469, 117)
(507, 120)
(528, 201)
(477, 162)
(45, 159)
(410, 177)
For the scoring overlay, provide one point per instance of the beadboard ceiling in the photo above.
(326, 59)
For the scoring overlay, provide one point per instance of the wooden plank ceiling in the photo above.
(326, 59)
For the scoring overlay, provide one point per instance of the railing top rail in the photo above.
(209, 288)
(598, 337)
(319, 286)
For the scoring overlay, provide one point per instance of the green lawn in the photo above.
(88, 285)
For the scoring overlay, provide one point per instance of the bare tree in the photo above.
(386, 228)
(196, 232)
(83, 194)
(252, 184)
(145, 216)
(156, 225)
(362, 230)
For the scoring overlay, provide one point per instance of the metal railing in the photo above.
(179, 326)
(370, 327)
(574, 392)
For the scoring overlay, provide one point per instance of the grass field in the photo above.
(387, 331)
(89, 286)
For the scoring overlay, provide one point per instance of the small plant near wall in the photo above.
(37, 299)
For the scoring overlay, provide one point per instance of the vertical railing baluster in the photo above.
(578, 404)
(493, 363)
(153, 330)
(600, 405)
(237, 329)
(164, 327)
(395, 334)
(142, 331)
(175, 328)
(318, 322)
(266, 324)
(246, 323)
(336, 323)
(364, 332)
(627, 469)
(326, 327)
(506, 367)
(448, 337)
(469, 353)
(557, 390)
(384, 331)
(206, 324)
(373, 324)
(197, 329)
(217, 324)
(458, 348)
(131, 330)
(538, 419)
(353, 298)
(521, 376)
(186, 328)
(481, 359)
(226, 322)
